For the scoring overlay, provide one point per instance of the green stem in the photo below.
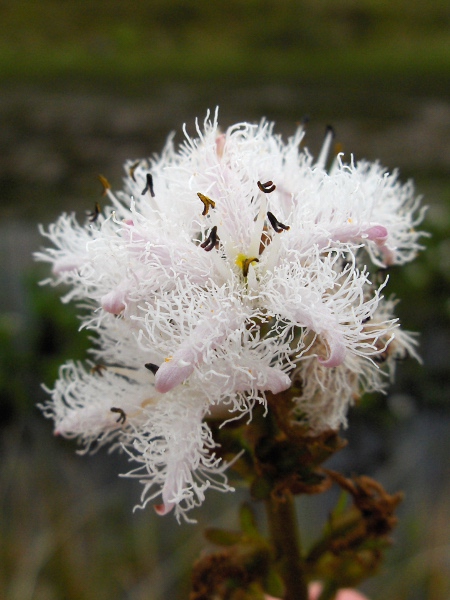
(284, 536)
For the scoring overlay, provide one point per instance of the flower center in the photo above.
(244, 262)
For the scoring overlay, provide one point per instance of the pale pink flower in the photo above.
(229, 267)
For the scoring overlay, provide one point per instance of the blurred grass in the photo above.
(114, 42)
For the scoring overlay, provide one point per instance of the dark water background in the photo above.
(67, 529)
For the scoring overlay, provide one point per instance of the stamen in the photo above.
(98, 370)
(246, 264)
(105, 183)
(267, 187)
(265, 240)
(132, 169)
(149, 186)
(337, 150)
(151, 367)
(207, 203)
(381, 358)
(211, 240)
(122, 415)
(279, 227)
(329, 136)
(93, 216)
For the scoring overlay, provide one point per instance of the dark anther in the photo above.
(330, 129)
(105, 183)
(279, 227)
(207, 203)
(267, 187)
(133, 168)
(305, 119)
(93, 216)
(211, 240)
(381, 358)
(151, 367)
(122, 415)
(98, 370)
(246, 265)
(149, 186)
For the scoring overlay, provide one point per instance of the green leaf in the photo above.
(247, 520)
(341, 504)
(260, 488)
(222, 537)
(274, 584)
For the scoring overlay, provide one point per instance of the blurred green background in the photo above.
(85, 86)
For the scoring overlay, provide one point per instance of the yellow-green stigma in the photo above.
(243, 262)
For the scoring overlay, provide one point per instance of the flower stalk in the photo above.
(284, 536)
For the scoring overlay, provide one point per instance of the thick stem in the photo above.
(284, 536)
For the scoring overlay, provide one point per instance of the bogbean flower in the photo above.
(226, 269)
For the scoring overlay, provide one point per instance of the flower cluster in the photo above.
(228, 268)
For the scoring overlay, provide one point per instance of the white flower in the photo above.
(224, 270)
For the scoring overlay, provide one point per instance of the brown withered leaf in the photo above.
(376, 506)
(233, 574)
(213, 575)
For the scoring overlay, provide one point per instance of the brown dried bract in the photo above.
(286, 456)
(233, 574)
(376, 506)
(212, 574)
